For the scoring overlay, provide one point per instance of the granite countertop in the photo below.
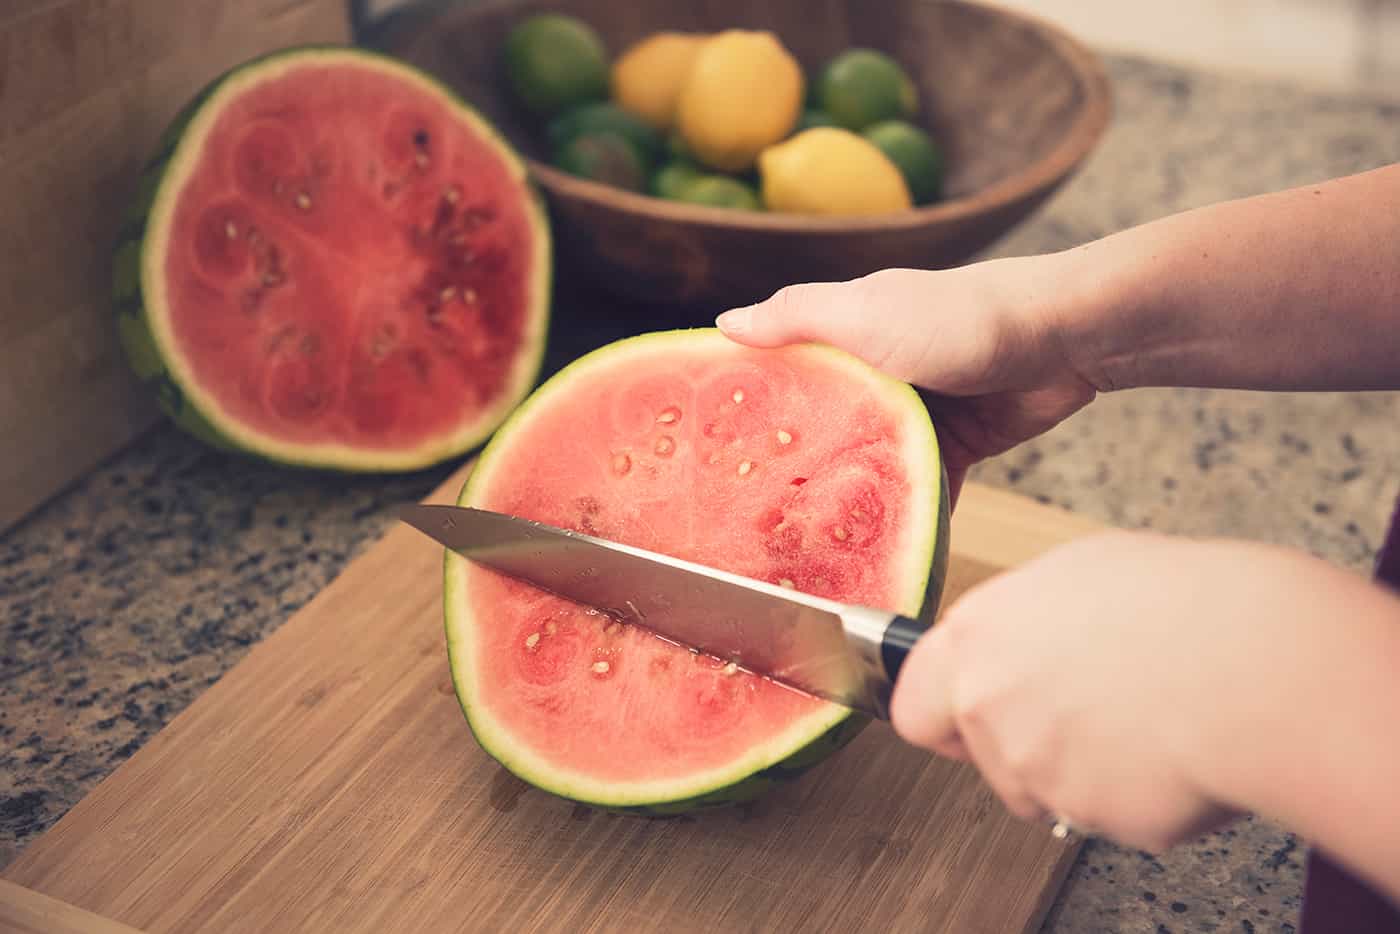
(121, 600)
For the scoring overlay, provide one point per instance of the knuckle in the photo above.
(972, 711)
(1022, 759)
(1022, 807)
(789, 303)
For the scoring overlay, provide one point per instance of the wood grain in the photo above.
(329, 782)
(24, 911)
(1016, 104)
(86, 87)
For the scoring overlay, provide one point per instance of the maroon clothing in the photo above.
(1334, 901)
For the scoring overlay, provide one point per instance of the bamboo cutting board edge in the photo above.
(25, 911)
(991, 527)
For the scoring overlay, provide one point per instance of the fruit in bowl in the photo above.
(727, 119)
(999, 110)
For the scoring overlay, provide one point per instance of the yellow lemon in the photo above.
(648, 77)
(744, 93)
(827, 170)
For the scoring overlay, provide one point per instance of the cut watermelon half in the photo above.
(803, 467)
(335, 262)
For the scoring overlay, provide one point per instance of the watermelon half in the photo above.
(803, 467)
(333, 261)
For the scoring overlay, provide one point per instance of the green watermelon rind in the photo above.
(157, 364)
(746, 783)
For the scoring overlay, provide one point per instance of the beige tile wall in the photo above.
(1332, 43)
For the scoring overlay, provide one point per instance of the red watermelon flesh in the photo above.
(799, 468)
(352, 260)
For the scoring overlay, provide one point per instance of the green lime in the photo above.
(864, 86)
(813, 116)
(720, 191)
(555, 62)
(604, 157)
(605, 117)
(914, 152)
(672, 177)
(678, 147)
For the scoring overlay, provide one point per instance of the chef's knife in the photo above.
(843, 653)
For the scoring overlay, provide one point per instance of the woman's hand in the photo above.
(1291, 290)
(981, 341)
(1146, 688)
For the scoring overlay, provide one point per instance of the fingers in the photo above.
(921, 710)
(986, 754)
(925, 712)
(817, 311)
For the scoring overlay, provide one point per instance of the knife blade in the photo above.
(845, 653)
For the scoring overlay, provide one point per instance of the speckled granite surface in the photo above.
(124, 598)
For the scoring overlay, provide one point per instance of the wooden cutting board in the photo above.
(329, 783)
(86, 87)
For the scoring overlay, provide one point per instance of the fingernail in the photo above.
(735, 321)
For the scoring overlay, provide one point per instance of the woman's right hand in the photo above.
(981, 341)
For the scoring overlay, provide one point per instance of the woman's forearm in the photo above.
(1294, 290)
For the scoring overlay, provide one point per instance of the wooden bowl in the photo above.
(1016, 104)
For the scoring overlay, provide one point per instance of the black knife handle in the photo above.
(900, 635)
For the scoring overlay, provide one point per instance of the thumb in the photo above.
(825, 312)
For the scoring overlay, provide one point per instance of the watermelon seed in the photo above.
(621, 463)
(452, 195)
(731, 668)
(447, 294)
(303, 201)
(382, 343)
(738, 396)
(532, 640)
(857, 514)
(612, 629)
(469, 296)
(669, 416)
(550, 628)
(786, 582)
(840, 533)
(665, 445)
(231, 230)
(601, 668)
(280, 337)
(744, 468)
(475, 217)
(421, 160)
(784, 437)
